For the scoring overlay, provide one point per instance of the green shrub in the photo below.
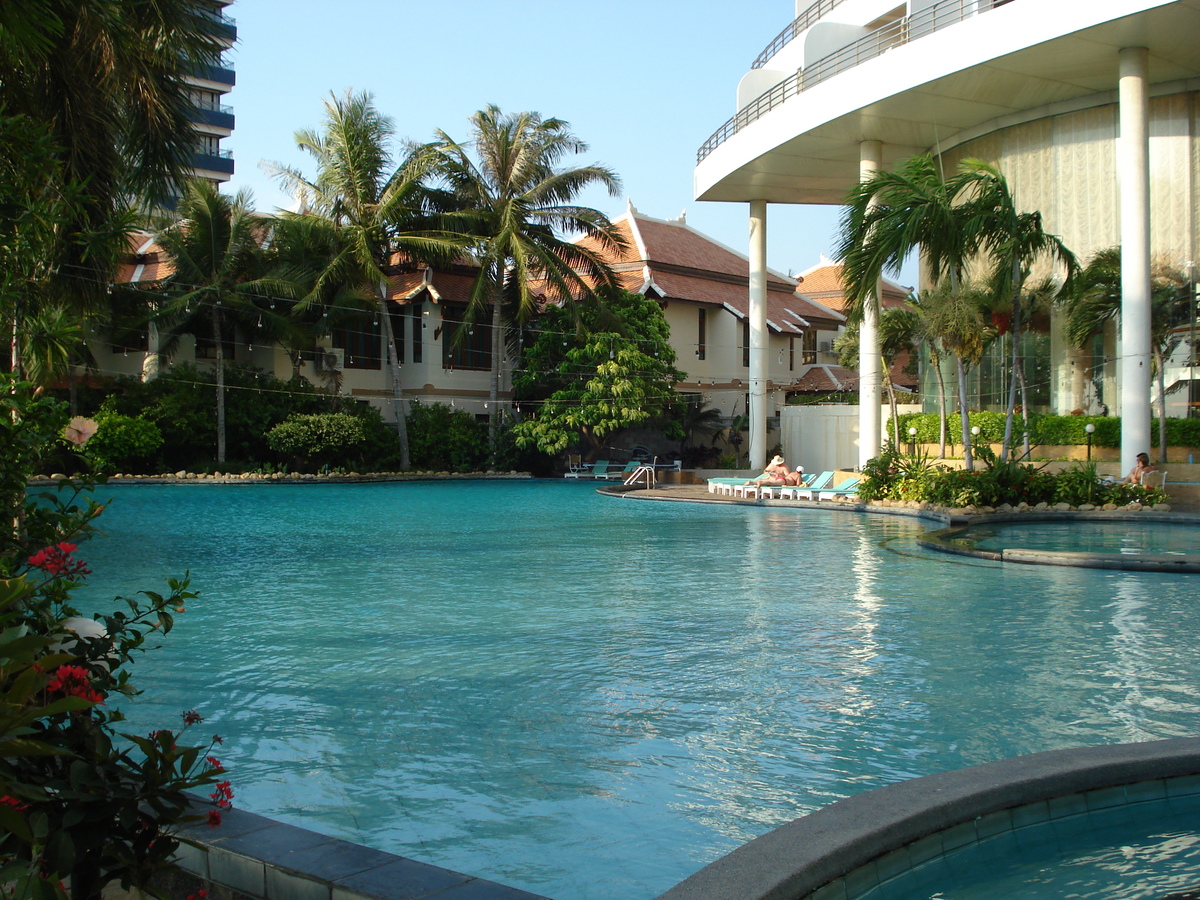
(441, 438)
(124, 443)
(315, 441)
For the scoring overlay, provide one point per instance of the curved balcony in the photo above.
(801, 23)
(894, 34)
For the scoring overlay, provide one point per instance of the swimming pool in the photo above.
(591, 698)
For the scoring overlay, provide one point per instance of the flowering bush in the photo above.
(79, 799)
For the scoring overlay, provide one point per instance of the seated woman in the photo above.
(1142, 468)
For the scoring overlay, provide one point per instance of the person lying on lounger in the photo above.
(777, 472)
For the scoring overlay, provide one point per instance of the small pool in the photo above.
(592, 698)
(1139, 851)
(1088, 536)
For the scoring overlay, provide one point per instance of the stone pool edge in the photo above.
(856, 844)
(262, 859)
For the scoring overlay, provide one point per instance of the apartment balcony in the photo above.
(225, 26)
(220, 117)
(220, 161)
(219, 75)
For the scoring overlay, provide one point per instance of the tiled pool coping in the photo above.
(850, 847)
(266, 860)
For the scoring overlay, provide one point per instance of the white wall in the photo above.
(824, 437)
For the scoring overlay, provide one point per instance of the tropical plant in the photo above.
(1096, 300)
(372, 210)
(446, 439)
(123, 442)
(78, 798)
(887, 217)
(1015, 241)
(522, 207)
(899, 330)
(219, 281)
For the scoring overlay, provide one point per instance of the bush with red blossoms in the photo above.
(79, 798)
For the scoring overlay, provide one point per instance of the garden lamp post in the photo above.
(1090, 428)
(912, 440)
(974, 435)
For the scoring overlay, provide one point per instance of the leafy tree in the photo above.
(374, 211)
(219, 280)
(446, 439)
(599, 379)
(521, 206)
(898, 333)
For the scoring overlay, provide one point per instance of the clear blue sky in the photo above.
(643, 82)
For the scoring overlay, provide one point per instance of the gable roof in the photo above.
(678, 263)
(823, 282)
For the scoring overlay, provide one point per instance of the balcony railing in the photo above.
(800, 24)
(894, 34)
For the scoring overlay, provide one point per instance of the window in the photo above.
(207, 144)
(206, 347)
(360, 343)
(791, 354)
(399, 316)
(745, 342)
(465, 346)
(809, 356)
(701, 333)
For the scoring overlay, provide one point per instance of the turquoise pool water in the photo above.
(592, 698)
(1133, 538)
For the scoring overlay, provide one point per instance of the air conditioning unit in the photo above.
(825, 346)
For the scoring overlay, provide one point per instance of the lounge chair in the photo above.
(600, 465)
(612, 473)
(848, 488)
(724, 485)
(806, 492)
(771, 491)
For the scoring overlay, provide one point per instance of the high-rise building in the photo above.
(213, 120)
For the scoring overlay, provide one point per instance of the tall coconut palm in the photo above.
(1014, 241)
(219, 280)
(376, 210)
(890, 215)
(523, 210)
(1096, 299)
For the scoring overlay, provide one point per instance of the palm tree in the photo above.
(375, 210)
(898, 333)
(1096, 299)
(1015, 241)
(220, 279)
(891, 214)
(522, 206)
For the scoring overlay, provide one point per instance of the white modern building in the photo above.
(1088, 107)
(212, 120)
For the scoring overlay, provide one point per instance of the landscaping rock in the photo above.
(1063, 507)
(1087, 507)
(1109, 507)
(1162, 507)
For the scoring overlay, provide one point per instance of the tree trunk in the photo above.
(1024, 415)
(1162, 406)
(216, 326)
(891, 389)
(393, 365)
(1015, 335)
(494, 380)
(936, 359)
(968, 462)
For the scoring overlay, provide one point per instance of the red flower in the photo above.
(191, 717)
(214, 818)
(74, 681)
(215, 763)
(223, 795)
(217, 739)
(14, 803)
(57, 561)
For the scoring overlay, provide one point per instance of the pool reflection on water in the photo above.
(591, 698)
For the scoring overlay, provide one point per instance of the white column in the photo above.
(870, 397)
(1133, 174)
(758, 334)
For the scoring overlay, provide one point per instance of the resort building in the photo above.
(702, 288)
(1041, 90)
(213, 120)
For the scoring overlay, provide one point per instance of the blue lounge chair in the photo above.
(806, 492)
(848, 488)
(600, 465)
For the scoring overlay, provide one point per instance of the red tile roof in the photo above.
(682, 264)
(823, 282)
